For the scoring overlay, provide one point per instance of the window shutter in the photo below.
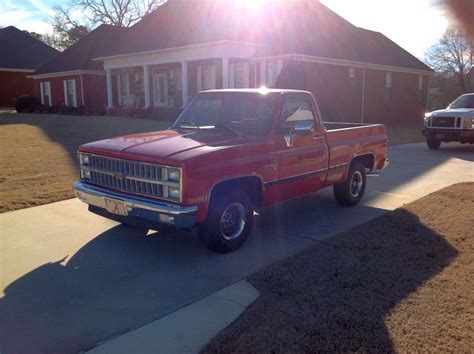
(65, 93)
(213, 77)
(42, 92)
(199, 78)
(232, 75)
(74, 95)
(247, 74)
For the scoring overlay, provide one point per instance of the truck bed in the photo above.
(346, 140)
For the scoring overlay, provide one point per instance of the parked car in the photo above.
(230, 152)
(455, 123)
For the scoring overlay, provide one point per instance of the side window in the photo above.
(295, 110)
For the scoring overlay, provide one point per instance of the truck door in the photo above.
(302, 149)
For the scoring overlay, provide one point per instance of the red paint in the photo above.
(94, 89)
(14, 84)
(208, 156)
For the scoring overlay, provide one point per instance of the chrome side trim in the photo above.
(96, 196)
(314, 172)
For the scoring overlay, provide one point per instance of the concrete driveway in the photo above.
(71, 279)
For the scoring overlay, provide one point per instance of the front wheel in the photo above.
(228, 223)
(351, 191)
(433, 144)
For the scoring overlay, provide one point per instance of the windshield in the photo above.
(244, 113)
(464, 101)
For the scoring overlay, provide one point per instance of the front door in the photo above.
(160, 90)
(302, 158)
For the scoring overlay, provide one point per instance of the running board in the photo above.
(372, 174)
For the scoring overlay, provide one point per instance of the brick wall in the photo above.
(12, 85)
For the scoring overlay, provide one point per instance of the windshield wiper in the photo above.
(189, 125)
(228, 127)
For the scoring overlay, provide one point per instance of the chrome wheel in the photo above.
(233, 221)
(357, 181)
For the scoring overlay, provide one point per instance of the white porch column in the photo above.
(110, 97)
(184, 81)
(225, 73)
(263, 73)
(146, 86)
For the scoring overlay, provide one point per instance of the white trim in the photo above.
(66, 101)
(82, 90)
(18, 70)
(110, 95)
(67, 73)
(42, 92)
(170, 49)
(341, 62)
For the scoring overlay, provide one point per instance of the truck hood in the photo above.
(455, 112)
(165, 146)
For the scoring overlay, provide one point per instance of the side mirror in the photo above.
(300, 128)
(304, 128)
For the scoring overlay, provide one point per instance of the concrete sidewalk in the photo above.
(71, 279)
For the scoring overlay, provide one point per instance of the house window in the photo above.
(45, 88)
(388, 86)
(206, 77)
(123, 90)
(70, 97)
(352, 76)
(420, 88)
(240, 75)
(273, 70)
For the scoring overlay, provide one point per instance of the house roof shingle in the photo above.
(284, 27)
(19, 50)
(103, 40)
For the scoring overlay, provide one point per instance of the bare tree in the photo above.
(452, 55)
(124, 13)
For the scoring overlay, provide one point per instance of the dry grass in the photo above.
(38, 153)
(404, 133)
(402, 282)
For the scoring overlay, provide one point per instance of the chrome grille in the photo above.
(443, 122)
(130, 176)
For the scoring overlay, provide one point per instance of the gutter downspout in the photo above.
(363, 97)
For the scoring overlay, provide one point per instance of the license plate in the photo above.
(440, 136)
(115, 207)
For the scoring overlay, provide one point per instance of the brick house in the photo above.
(20, 55)
(73, 78)
(188, 46)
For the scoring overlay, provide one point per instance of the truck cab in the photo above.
(230, 152)
(455, 123)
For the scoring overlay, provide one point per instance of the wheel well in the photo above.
(251, 184)
(366, 160)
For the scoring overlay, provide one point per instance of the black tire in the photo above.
(433, 144)
(351, 191)
(217, 233)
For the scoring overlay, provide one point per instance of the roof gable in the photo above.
(19, 50)
(80, 55)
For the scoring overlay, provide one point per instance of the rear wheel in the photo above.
(351, 191)
(228, 223)
(433, 143)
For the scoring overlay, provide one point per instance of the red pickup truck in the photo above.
(229, 153)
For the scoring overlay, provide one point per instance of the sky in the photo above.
(415, 25)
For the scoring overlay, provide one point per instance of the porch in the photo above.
(169, 78)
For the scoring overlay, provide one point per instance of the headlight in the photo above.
(85, 174)
(468, 123)
(427, 119)
(83, 159)
(174, 192)
(173, 175)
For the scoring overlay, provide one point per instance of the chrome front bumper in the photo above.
(139, 208)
